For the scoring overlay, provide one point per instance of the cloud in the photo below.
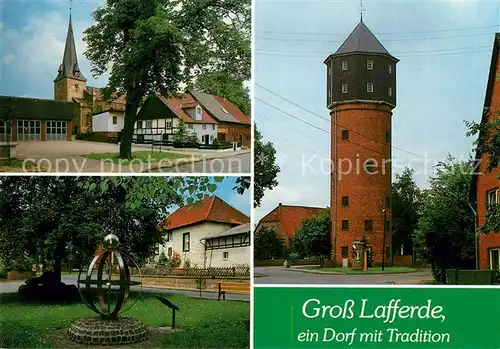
(8, 58)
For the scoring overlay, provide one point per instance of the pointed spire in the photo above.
(69, 67)
(361, 10)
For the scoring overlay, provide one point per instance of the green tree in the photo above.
(152, 46)
(406, 202)
(181, 134)
(51, 218)
(227, 85)
(445, 235)
(265, 168)
(488, 140)
(312, 237)
(267, 244)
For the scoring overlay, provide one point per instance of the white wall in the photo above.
(236, 256)
(196, 254)
(210, 130)
(103, 122)
(156, 134)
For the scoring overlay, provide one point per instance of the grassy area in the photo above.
(376, 270)
(138, 156)
(205, 323)
(17, 165)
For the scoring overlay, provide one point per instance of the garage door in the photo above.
(56, 130)
(28, 130)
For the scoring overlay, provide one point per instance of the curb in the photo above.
(314, 271)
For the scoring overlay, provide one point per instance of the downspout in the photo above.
(334, 174)
(204, 254)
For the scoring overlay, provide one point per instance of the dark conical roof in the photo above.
(69, 65)
(361, 39)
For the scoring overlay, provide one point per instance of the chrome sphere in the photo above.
(111, 242)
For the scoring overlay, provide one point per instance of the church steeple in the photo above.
(69, 67)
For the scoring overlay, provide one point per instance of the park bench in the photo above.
(232, 287)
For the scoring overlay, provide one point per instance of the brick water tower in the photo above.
(361, 94)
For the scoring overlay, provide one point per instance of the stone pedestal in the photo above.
(4, 147)
(96, 331)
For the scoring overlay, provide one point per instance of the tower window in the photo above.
(368, 225)
(369, 65)
(345, 65)
(390, 69)
(390, 91)
(345, 135)
(345, 201)
(345, 251)
(369, 87)
(344, 88)
(345, 225)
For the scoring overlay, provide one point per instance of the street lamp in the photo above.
(475, 234)
(383, 241)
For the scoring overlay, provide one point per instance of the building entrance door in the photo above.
(56, 130)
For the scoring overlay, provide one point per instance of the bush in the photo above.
(293, 256)
(216, 143)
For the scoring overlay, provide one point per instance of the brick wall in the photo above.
(486, 242)
(367, 192)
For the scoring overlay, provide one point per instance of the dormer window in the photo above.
(198, 112)
(369, 87)
(225, 111)
(369, 65)
(345, 65)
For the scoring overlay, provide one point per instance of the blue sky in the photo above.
(444, 49)
(32, 34)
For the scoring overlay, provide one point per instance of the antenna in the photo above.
(361, 10)
(70, 7)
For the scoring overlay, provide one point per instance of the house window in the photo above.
(139, 124)
(369, 65)
(390, 91)
(344, 88)
(204, 126)
(213, 127)
(198, 112)
(190, 126)
(149, 123)
(345, 225)
(345, 65)
(368, 225)
(345, 251)
(492, 197)
(390, 69)
(211, 138)
(169, 236)
(115, 120)
(225, 256)
(185, 242)
(345, 201)
(345, 135)
(5, 131)
(169, 124)
(369, 87)
(169, 253)
(495, 258)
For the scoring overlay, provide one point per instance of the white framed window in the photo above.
(190, 126)
(55, 130)
(390, 91)
(495, 258)
(169, 124)
(204, 126)
(390, 69)
(213, 127)
(115, 120)
(28, 130)
(198, 112)
(369, 87)
(492, 197)
(139, 124)
(225, 256)
(345, 65)
(344, 88)
(5, 131)
(149, 123)
(185, 242)
(369, 65)
(211, 138)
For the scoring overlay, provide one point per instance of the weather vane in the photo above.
(361, 10)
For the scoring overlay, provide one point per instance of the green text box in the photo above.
(369, 317)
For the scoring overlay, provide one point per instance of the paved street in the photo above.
(278, 275)
(233, 164)
(12, 287)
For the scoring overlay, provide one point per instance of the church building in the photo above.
(361, 94)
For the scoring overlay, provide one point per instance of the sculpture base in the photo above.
(96, 331)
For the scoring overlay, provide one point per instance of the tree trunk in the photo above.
(57, 271)
(128, 129)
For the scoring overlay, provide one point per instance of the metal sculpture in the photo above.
(106, 294)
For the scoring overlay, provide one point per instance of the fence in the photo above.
(242, 272)
(472, 277)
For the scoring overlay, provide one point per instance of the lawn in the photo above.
(376, 270)
(204, 323)
(16, 165)
(138, 157)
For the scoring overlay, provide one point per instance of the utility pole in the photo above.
(383, 241)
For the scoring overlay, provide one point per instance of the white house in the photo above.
(107, 122)
(159, 119)
(210, 233)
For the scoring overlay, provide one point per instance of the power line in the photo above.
(336, 123)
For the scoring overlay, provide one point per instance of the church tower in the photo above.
(69, 83)
(361, 94)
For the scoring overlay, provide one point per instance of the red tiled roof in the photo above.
(176, 106)
(211, 209)
(290, 217)
(233, 110)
